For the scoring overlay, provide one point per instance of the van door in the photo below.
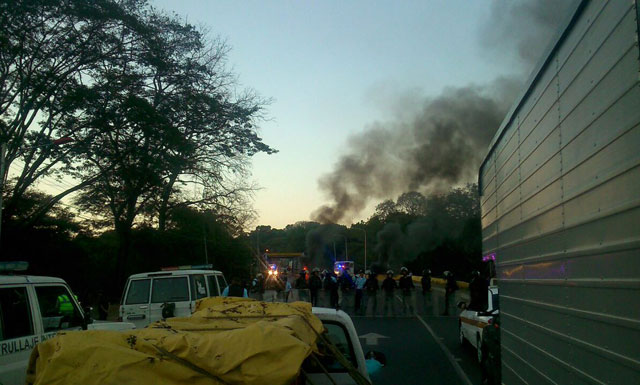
(135, 307)
(170, 290)
(17, 334)
(214, 289)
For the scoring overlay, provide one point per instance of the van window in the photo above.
(57, 309)
(138, 292)
(213, 288)
(170, 290)
(198, 287)
(15, 317)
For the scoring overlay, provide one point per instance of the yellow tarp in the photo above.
(225, 341)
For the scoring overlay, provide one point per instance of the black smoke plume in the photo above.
(444, 142)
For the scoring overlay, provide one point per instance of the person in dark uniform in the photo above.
(491, 356)
(371, 287)
(235, 289)
(315, 284)
(301, 286)
(425, 281)
(406, 286)
(389, 286)
(478, 292)
(449, 290)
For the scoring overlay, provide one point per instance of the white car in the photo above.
(473, 322)
(30, 313)
(173, 292)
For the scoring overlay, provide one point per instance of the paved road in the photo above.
(421, 348)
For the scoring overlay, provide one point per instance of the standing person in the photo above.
(235, 289)
(371, 287)
(360, 281)
(315, 284)
(478, 292)
(425, 282)
(257, 286)
(301, 286)
(389, 286)
(332, 286)
(450, 291)
(287, 288)
(406, 285)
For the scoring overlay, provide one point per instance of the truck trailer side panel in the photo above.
(560, 198)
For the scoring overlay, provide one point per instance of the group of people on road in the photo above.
(366, 287)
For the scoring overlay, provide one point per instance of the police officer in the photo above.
(406, 286)
(301, 286)
(371, 287)
(315, 284)
(425, 282)
(478, 292)
(449, 290)
(257, 286)
(235, 289)
(389, 286)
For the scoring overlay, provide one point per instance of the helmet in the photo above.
(389, 272)
(404, 269)
(426, 272)
(447, 273)
(368, 272)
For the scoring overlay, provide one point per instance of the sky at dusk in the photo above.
(333, 69)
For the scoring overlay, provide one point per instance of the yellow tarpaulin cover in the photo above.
(225, 341)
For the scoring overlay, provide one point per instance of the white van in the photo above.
(173, 291)
(30, 312)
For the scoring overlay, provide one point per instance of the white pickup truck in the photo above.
(30, 312)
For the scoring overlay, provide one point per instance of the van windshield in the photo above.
(170, 290)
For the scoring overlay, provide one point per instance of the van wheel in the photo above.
(479, 347)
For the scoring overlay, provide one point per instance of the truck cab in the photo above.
(34, 309)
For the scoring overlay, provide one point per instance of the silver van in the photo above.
(172, 292)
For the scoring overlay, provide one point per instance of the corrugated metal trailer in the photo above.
(560, 195)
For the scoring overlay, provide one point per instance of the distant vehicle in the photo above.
(559, 195)
(273, 270)
(342, 266)
(473, 322)
(172, 292)
(31, 311)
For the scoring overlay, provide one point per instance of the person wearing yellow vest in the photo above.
(64, 305)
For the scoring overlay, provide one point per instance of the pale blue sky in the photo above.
(332, 68)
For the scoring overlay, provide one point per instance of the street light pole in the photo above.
(365, 245)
